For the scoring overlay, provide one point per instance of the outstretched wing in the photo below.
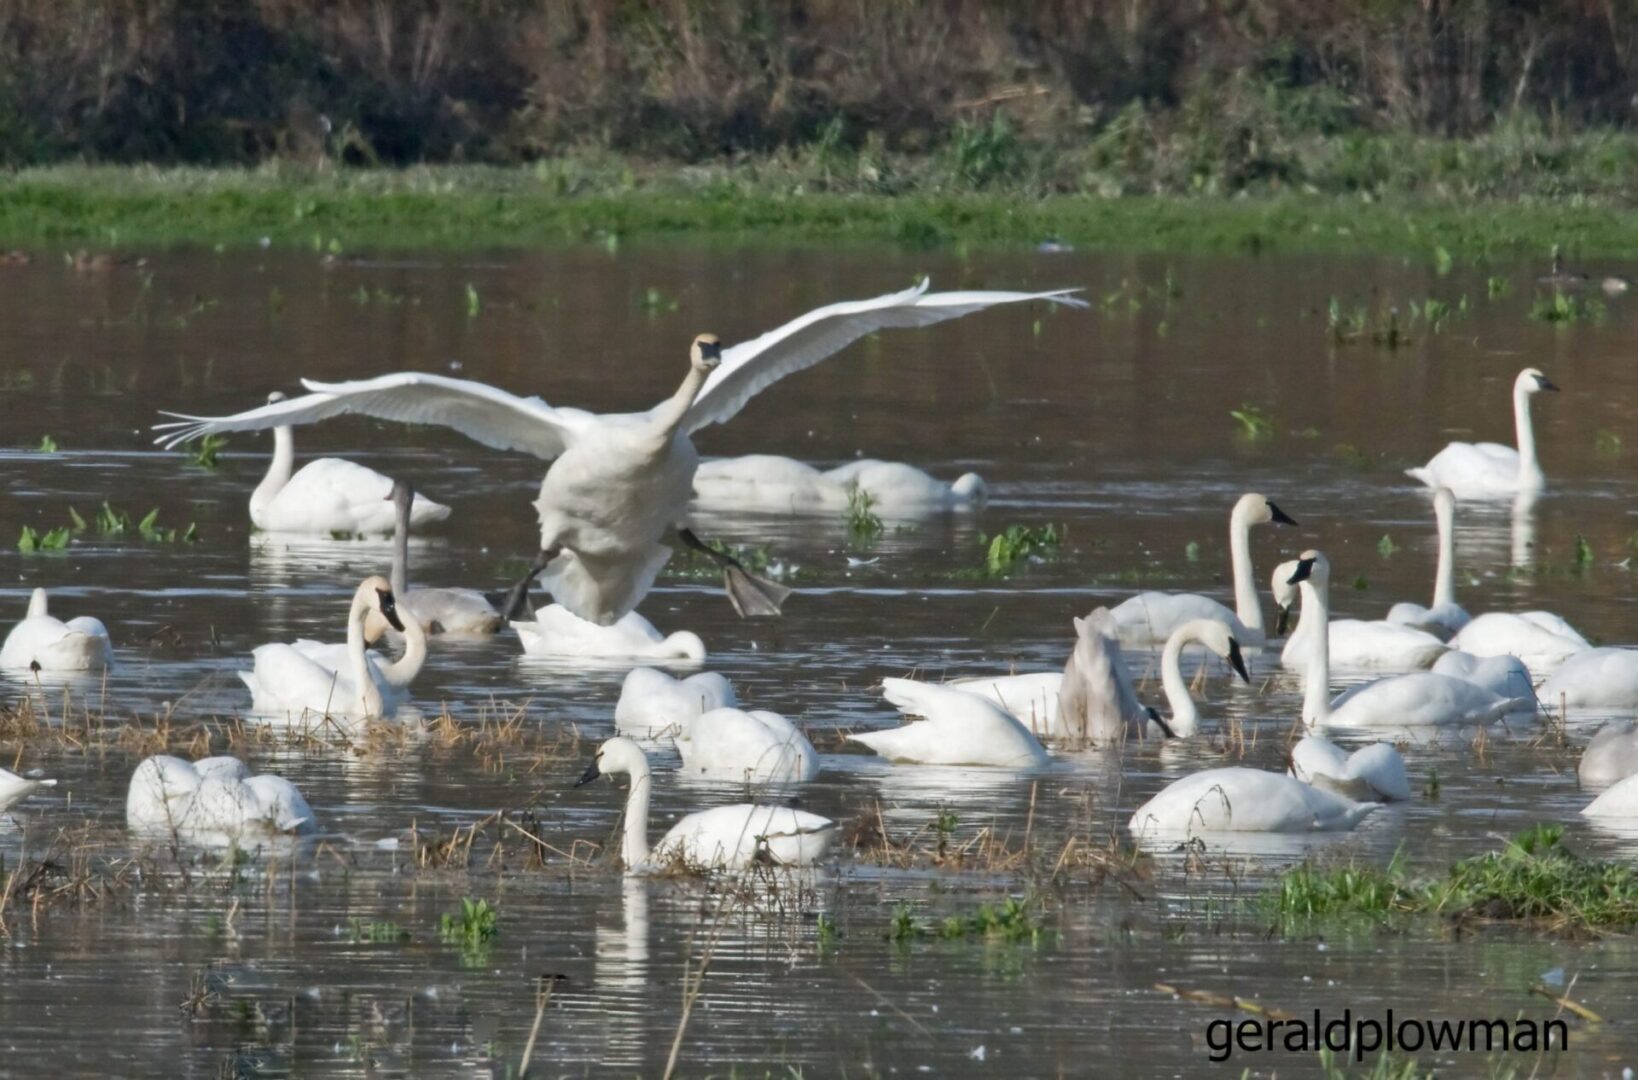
(750, 366)
(490, 416)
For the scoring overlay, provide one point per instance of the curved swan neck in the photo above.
(37, 603)
(369, 695)
(1444, 579)
(1525, 431)
(1185, 718)
(402, 671)
(668, 417)
(278, 470)
(400, 552)
(1316, 701)
(634, 841)
(1246, 605)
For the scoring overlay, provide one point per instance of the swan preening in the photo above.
(438, 611)
(959, 729)
(618, 483)
(213, 800)
(1354, 643)
(556, 632)
(1150, 617)
(43, 642)
(771, 482)
(1445, 617)
(308, 678)
(14, 789)
(726, 837)
(1238, 799)
(328, 496)
(1491, 470)
(1374, 773)
(653, 705)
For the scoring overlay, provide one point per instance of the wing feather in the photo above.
(483, 413)
(751, 366)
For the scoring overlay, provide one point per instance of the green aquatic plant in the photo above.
(1385, 547)
(471, 929)
(1583, 553)
(1442, 261)
(1191, 551)
(48, 445)
(1606, 443)
(205, 450)
(473, 303)
(1497, 286)
(1255, 425)
(382, 932)
(1019, 543)
(51, 540)
(111, 522)
(862, 523)
(1562, 308)
(655, 302)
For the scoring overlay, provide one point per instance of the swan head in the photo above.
(1256, 509)
(1215, 635)
(276, 396)
(685, 645)
(374, 601)
(1285, 594)
(617, 755)
(705, 354)
(971, 487)
(1312, 567)
(1531, 380)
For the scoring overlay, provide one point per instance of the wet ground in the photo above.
(1113, 423)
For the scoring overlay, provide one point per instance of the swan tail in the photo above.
(1422, 474)
(909, 696)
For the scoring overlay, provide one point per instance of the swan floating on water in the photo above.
(1446, 616)
(1602, 678)
(1540, 639)
(726, 837)
(1505, 676)
(212, 800)
(749, 747)
(618, 484)
(1150, 617)
(1620, 800)
(439, 611)
(556, 631)
(653, 705)
(1374, 773)
(44, 641)
(1491, 470)
(1239, 799)
(1611, 756)
(959, 728)
(328, 496)
(340, 680)
(1362, 644)
(14, 789)
(771, 482)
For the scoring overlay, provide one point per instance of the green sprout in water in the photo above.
(1018, 543)
(1583, 553)
(1255, 425)
(1385, 547)
(655, 302)
(53, 540)
(472, 929)
(1497, 286)
(1191, 551)
(205, 450)
(48, 445)
(862, 522)
(1562, 308)
(473, 303)
(376, 933)
(1606, 443)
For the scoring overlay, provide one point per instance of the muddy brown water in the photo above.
(1114, 423)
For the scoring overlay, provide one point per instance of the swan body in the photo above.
(1445, 616)
(654, 705)
(215, 799)
(726, 837)
(1603, 678)
(80, 644)
(1149, 618)
(439, 611)
(1502, 675)
(770, 482)
(557, 631)
(1374, 773)
(1418, 699)
(14, 789)
(1611, 756)
(1491, 470)
(1618, 801)
(311, 678)
(1540, 639)
(1354, 643)
(959, 729)
(755, 747)
(328, 496)
(1031, 697)
(1238, 799)
(617, 483)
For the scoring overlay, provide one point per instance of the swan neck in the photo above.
(369, 695)
(1246, 605)
(37, 603)
(278, 470)
(1185, 718)
(674, 409)
(1316, 703)
(402, 671)
(1444, 579)
(400, 552)
(1526, 433)
(634, 842)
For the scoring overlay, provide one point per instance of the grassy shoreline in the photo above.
(484, 207)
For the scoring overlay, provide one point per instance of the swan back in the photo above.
(653, 704)
(959, 729)
(1611, 756)
(750, 747)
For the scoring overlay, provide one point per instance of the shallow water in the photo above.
(1114, 423)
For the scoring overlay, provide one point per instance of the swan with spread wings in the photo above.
(618, 483)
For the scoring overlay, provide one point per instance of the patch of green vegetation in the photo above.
(1606, 443)
(205, 450)
(1385, 547)
(1013, 920)
(1255, 425)
(1561, 308)
(1020, 543)
(474, 303)
(48, 445)
(383, 932)
(471, 929)
(1583, 553)
(697, 566)
(1191, 551)
(51, 540)
(655, 302)
(863, 525)
(1497, 286)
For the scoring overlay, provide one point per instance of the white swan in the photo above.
(14, 789)
(439, 611)
(328, 496)
(1375, 773)
(1619, 801)
(311, 678)
(1603, 678)
(1238, 799)
(1150, 617)
(1446, 616)
(771, 482)
(727, 837)
(558, 632)
(1491, 470)
(1371, 645)
(959, 729)
(80, 644)
(755, 747)
(618, 483)
(1611, 756)
(653, 705)
(215, 799)
(1540, 639)
(1502, 675)
(1419, 699)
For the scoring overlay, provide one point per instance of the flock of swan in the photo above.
(620, 486)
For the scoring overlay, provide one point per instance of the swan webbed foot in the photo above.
(753, 596)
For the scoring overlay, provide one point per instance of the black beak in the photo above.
(711, 350)
(1238, 662)
(1165, 728)
(389, 608)
(1304, 570)
(1280, 622)
(1280, 516)
(591, 773)
(1545, 383)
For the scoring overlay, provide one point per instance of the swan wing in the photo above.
(483, 413)
(751, 366)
